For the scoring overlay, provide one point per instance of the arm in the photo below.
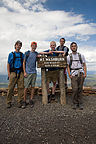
(85, 69)
(50, 52)
(25, 74)
(8, 69)
(68, 70)
(62, 52)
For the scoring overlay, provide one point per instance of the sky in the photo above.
(47, 20)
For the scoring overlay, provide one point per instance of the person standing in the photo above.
(77, 73)
(51, 72)
(30, 73)
(63, 50)
(15, 74)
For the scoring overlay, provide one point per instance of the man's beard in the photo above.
(74, 50)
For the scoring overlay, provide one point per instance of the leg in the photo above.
(53, 91)
(53, 88)
(32, 93)
(80, 90)
(12, 83)
(24, 102)
(25, 94)
(20, 87)
(33, 80)
(74, 84)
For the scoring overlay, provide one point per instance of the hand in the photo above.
(70, 76)
(84, 75)
(38, 56)
(25, 74)
(63, 54)
(50, 52)
(9, 75)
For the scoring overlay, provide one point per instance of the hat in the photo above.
(34, 43)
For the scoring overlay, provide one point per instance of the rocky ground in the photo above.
(50, 124)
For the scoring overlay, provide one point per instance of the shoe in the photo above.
(24, 105)
(9, 105)
(20, 104)
(57, 86)
(52, 97)
(80, 106)
(75, 106)
(31, 103)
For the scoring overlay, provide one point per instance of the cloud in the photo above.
(28, 20)
(22, 5)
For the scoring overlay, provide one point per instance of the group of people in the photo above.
(22, 71)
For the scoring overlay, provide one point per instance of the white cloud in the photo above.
(28, 21)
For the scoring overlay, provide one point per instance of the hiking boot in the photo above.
(75, 106)
(52, 97)
(80, 106)
(24, 105)
(9, 105)
(19, 104)
(31, 103)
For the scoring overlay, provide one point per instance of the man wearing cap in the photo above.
(15, 74)
(29, 67)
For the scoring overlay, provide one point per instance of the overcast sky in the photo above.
(46, 20)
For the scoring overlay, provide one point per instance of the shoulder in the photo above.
(57, 48)
(36, 52)
(22, 53)
(82, 56)
(27, 52)
(65, 47)
(10, 54)
(68, 57)
(47, 50)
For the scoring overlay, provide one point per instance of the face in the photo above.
(62, 42)
(74, 47)
(18, 47)
(52, 45)
(33, 47)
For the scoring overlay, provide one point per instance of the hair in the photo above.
(73, 43)
(53, 42)
(63, 39)
(18, 42)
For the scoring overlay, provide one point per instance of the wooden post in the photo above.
(44, 86)
(62, 87)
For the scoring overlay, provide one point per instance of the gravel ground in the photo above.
(50, 124)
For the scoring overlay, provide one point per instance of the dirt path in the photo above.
(50, 124)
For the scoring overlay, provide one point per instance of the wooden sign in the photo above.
(51, 61)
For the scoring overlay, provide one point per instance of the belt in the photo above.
(81, 73)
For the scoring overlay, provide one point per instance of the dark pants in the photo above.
(77, 88)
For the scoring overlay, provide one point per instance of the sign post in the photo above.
(45, 62)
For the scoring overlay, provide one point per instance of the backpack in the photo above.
(71, 59)
(63, 50)
(13, 69)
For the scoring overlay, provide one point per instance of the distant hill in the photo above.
(89, 81)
